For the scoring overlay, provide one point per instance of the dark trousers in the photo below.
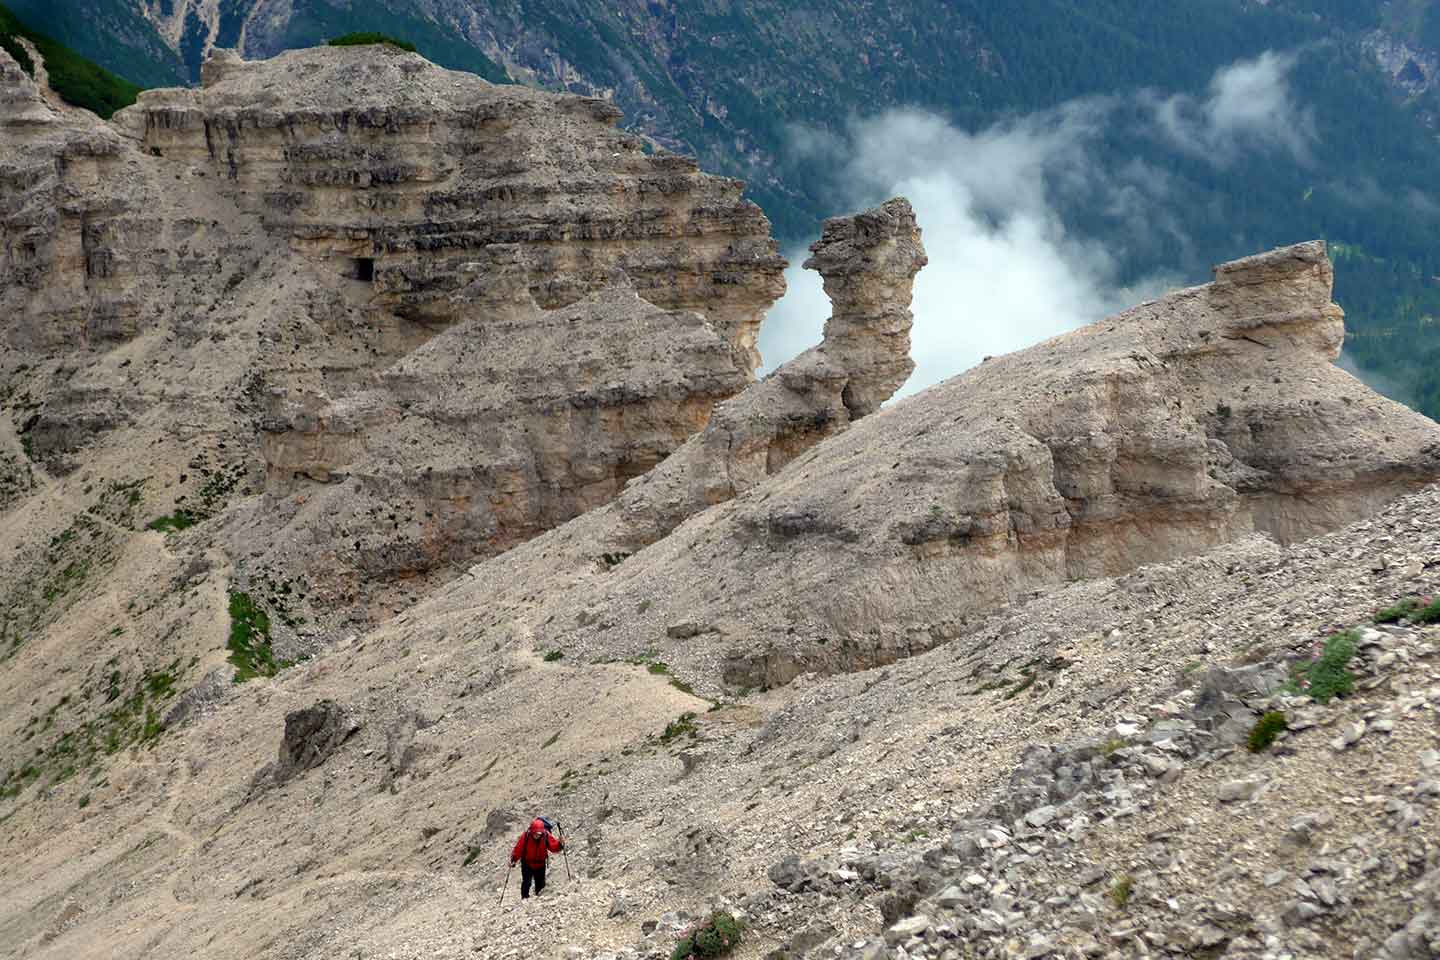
(527, 876)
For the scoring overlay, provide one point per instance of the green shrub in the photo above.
(1403, 610)
(1414, 609)
(553, 655)
(1429, 613)
(369, 38)
(716, 937)
(1121, 890)
(1326, 676)
(1266, 729)
(179, 520)
(681, 726)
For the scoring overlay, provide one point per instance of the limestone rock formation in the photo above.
(1172, 428)
(278, 249)
(869, 262)
(394, 173)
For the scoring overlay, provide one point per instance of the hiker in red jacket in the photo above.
(531, 851)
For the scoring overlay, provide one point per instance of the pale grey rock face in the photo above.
(1177, 426)
(383, 164)
(483, 308)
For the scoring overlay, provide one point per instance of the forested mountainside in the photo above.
(733, 82)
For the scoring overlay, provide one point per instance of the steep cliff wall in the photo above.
(390, 169)
(276, 249)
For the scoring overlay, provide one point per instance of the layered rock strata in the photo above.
(277, 249)
(1181, 424)
(469, 446)
(395, 173)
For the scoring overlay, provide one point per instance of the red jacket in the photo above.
(535, 846)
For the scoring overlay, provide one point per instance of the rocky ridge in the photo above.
(341, 209)
(816, 629)
(1170, 429)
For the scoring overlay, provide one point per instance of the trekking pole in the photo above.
(565, 850)
(507, 883)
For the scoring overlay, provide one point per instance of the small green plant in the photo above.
(472, 854)
(658, 667)
(1325, 676)
(369, 38)
(715, 937)
(1414, 609)
(554, 655)
(1266, 729)
(681, 726)
(551, 741)
(1121, 890)
(179, 520)
(682, 686)
(1430, 613)
(1111, 745)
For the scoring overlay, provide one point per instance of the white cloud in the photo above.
(1004, 269)
(1250, 106)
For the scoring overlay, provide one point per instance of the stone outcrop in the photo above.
(395, 173)
(869, 262)
(281, 249)
(1179, 425)
(469, 446)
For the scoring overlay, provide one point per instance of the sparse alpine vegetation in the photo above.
(1326, 676)
(250, 649)
(715, 937)
(1421, 610)
(1266, 729)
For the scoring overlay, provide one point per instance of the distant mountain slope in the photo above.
(731, 83)
(76, 79)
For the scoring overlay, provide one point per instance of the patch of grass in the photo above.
(682, 686)
(1111, 745)
(179, 520)
(554, 655)
(132, 720)
(471, 855)
(1326, 676)
(1414, 609)
(659, 667)
(1430, 613)
(1266, 729)
(370, 38)
(249, 642)
(716, 936)
(1121, 890)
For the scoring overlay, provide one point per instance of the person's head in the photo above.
(537, 828)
